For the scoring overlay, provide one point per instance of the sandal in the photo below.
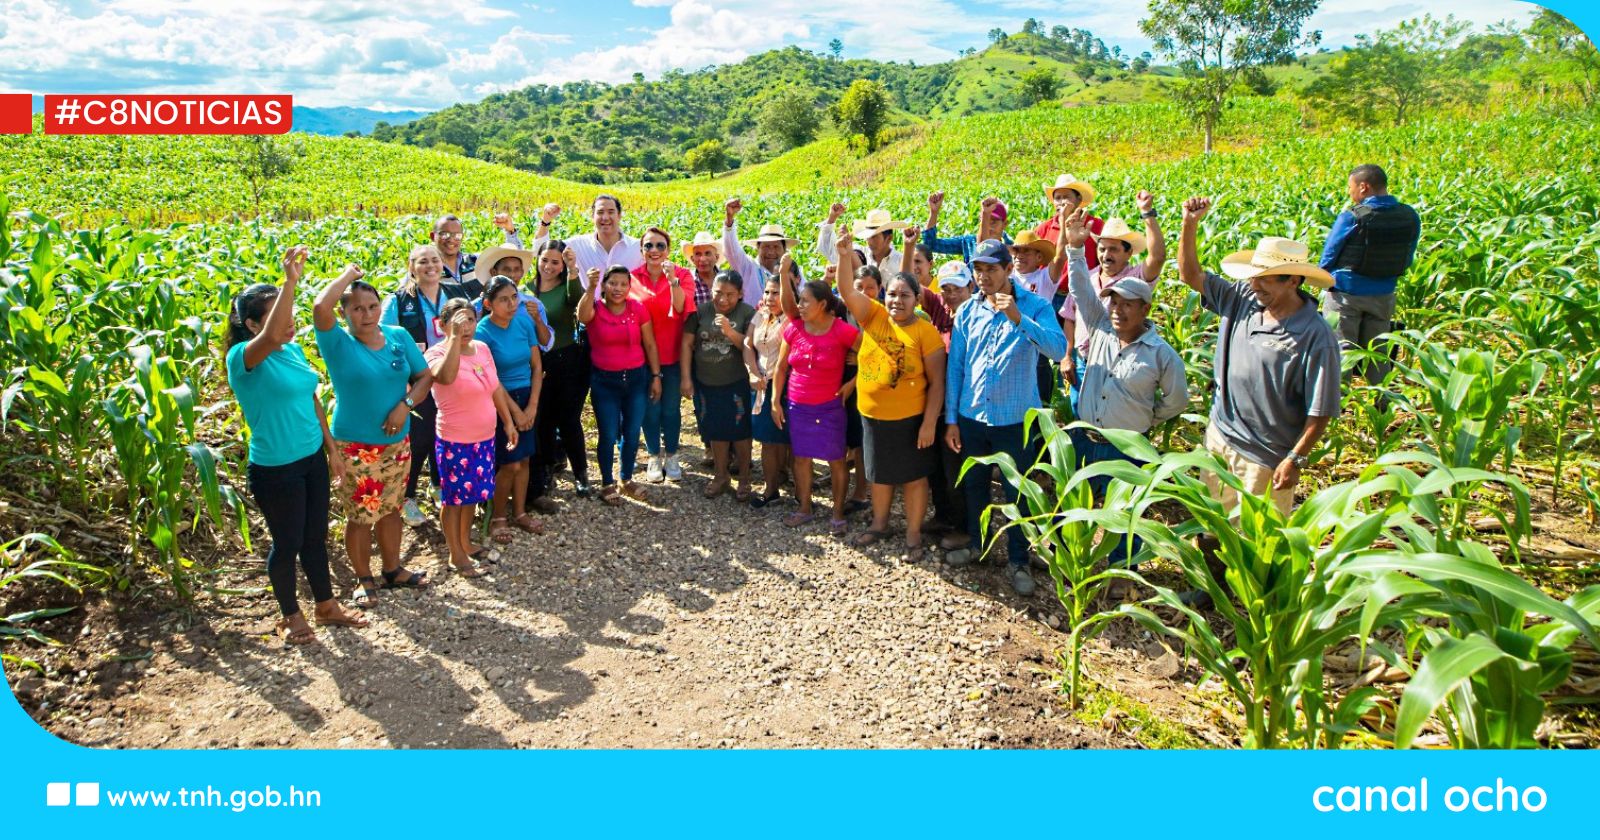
(915, 553)
(341, 619)
(529, 524)
(716, 488)
(295, 637)
(633, 491)
(838, 526)
(498, 530)
(412, 580)
(611, 495)
(743, 494)
(472, 570)
(867, 537)
(796, 519)
(366, 594)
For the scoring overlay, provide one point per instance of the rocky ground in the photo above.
(681, 622)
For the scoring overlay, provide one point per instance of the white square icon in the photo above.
(88, 793)
(57, 794)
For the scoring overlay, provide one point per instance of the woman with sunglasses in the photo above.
(667, 292)
(378, 377)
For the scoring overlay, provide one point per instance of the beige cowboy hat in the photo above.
(773, 233)
(1033, 241)
(1116, 228)
(1276, 255)
(495, 253)
(702, 240)
(1068, 182)
(876, 222)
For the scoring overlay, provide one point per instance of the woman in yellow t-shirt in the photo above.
(900, 391)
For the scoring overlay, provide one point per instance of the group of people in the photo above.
(891, 369)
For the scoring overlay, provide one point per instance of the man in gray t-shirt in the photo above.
(1277, 362)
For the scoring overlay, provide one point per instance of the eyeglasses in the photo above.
(654, 246)
(446, 235)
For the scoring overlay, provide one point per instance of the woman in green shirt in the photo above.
(566, 377)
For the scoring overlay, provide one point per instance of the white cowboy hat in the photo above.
(495, 253)
(1276, 255)
(1068, 182)
(876, 222)
(772, 233)
(1116, 228)
(702, 240)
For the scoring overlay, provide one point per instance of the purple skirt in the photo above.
(466, 471)
(816, 431)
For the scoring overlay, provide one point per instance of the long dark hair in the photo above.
(252, 304)
(907, 278)
(556, 245)
(357, 286)
(823, 294)
(496, 283)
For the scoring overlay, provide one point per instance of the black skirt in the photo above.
(724, 411)
(889, 448)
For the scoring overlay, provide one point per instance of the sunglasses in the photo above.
(654, 246)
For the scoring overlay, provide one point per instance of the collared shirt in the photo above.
(523, 299)
(1051, 228)
(591, 254)
(826, 246)
(702, 291)
(964, 245)
(993, 363)
(1270, 377)
(465, 271)
(1102, 281)
(755, 276)
(1344, 279)
(1133, 387)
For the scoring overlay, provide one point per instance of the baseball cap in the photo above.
(992, 251)
(954, 273)
(1131, 288)
(999, 211)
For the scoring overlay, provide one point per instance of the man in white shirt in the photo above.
(600, 250)
(876, 230)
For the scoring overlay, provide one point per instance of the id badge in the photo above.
(437, 329)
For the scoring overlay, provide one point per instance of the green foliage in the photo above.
(708, 157)
(1042, 85)
(791, 117)
(261, 159)
(1398, 74)
(864, 110)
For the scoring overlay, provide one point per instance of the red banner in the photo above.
(16, 113)
(179, 114)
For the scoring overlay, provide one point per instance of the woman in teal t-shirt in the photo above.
(378, 377)
(290, 446)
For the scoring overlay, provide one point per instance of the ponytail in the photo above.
(252, 304)
(823, 294)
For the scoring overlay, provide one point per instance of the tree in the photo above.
(1216, 41)
(1564, 52)
(1032, 26)
(1085, 71)
(1060, 33)
(836, 47)
(864, 109)
(790, 117)
(996, 35)
(708, 157)
(260, 159)
(1042, 85)
(1140, 63)
(1397, 73)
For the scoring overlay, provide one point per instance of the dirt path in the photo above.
(684, 623)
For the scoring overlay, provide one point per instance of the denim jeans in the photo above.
(977, 440)
(663, 419)
(293, 498)
(619, 398)
(1092, 452)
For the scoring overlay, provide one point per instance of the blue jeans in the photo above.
(978, 440)
(663, 419)
(1092, 452)
(619, 398)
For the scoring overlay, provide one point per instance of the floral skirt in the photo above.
(374, 479)
(466, 471)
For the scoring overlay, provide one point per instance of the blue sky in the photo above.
(393, 55)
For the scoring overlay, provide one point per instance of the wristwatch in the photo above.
(656, 374)
(1149, 214)
(1300, 461)
(409, 402)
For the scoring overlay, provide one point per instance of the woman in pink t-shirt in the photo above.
(626, 375)
(467, 389)
(811, 376)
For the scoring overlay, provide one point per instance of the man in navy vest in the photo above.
(1370, 246)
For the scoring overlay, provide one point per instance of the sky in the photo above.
(425, 55)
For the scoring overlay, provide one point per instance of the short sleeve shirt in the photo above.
(368, 383)
(616, 339)
(891, 383)
(717, 361)
(816, 362)
(512, 348)
(466, 406)
(656, 295)
(276, 398)
(1270, 377)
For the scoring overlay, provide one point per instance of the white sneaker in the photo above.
(674, 471)
(412, 514)
(653, 472)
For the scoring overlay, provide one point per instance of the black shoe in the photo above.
(1195, 599)
(584, 489)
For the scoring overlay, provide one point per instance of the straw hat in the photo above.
(773, 233)
(1116, 228)
(1068, 182)
(876, 222)
(702, 240)
(1032, 241)
(1276, 255)
(495, 253)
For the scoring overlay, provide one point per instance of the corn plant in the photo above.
(1472, 399)
(60, 566)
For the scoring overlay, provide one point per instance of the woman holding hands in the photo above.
(514, 344)
(466, 387)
